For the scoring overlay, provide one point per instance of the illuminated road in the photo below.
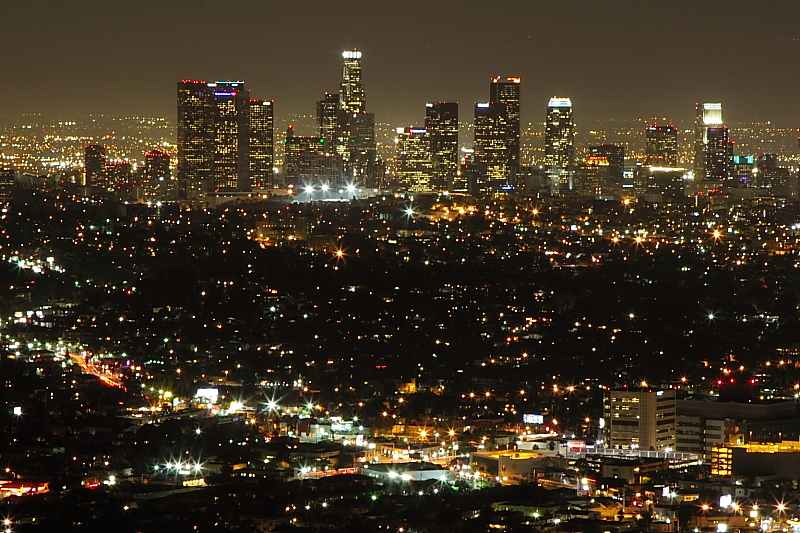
(106, 376)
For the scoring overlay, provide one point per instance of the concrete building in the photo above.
(642, 419)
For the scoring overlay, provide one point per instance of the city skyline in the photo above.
(595, 68)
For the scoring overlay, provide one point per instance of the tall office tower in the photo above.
(7, 181)
(491, 150)
(351, 95)
(363, 150)
(593, 176)
(441, 122)
(507, 91)
(158, 180)
(94, 165)
(309, 163)
(262, 143)
(744, 170)
(718, 153)
(661, 145)
(415, 160)
(356, 139)
(615, 155)
(559, 148)
(195, 138)
(231, 107)
(640, 419)
(707, 114)
(328, 118)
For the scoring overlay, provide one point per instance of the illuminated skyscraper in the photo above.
(309, 165)
(507, 92)
(414, 160)
(94, 165)
(661, 145)
(708, 114)
(615, 155)
(559, 149)
(231, 107)
(159, 182)
(593, 177)
(351, 95)
(328, 119)
(262, 149)
(356, 135)
(491, 151)
(718, 153)
(195, 138)
(7, 181)
(441, 123)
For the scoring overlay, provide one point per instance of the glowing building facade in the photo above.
(559, 151)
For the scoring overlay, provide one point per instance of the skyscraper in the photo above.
(356, 129)
(491, 150)
(708, 114)
(593, 176)
(195, 138)
(615, 155)
(507, 92)
(351, 95)
(414, 160)
(441, 123)
(159, 182)
(94, 165)
(262, 140)
(214, 135)
(718, 153)
(7, 180)
(661, 145)
(231, 107)
(559, 149)
(328, 118)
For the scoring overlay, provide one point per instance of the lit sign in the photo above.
(533, 419)
(351, 54)
(483, 105)
(208, 394)
(559, 102)
(225, 93)
(428, 104)
(417, 132)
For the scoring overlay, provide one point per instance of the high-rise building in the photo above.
(559, 149)
(7, 180)
(94, 165)
(640, 419)
(231, 107)
(158, 179)
(507, 92)
(718, 153)
(707, 114)
(415, 160)
(615, 155)
(351, 95)
(214, 135)
(262, 143)
(441, 123)
(355, 141)
(328, 119)
(491, 150)
(309, 164)
(594, 176)
(195, 138)
(661, 145)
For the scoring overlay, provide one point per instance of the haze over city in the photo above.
(623, 59)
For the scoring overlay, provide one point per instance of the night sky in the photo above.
(614, 58)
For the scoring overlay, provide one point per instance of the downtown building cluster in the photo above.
(226, 146)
